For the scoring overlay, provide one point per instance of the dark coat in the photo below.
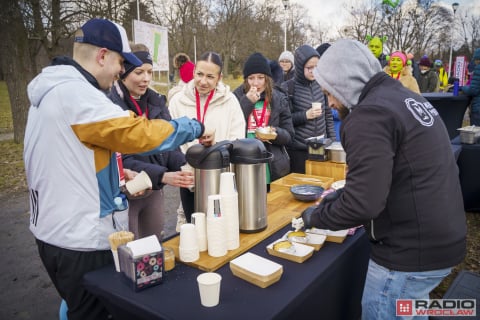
(473, 89)
(304, 93)
(281, 119)
(154, 165)
(402, 181)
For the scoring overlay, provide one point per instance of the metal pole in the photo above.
(285, 39)
(195, 48)
(454, 6)
(138, 10)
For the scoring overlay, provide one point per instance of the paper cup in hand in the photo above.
(141, 182)
(316, 105)
(209, 288)
(189, 168)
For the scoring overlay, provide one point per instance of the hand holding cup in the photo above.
(208, 138)
(315, 111)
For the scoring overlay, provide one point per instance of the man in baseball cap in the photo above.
(74, 173)
(107, 34)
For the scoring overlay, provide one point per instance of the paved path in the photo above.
(26, 291)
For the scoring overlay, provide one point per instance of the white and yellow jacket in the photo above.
(73, 133)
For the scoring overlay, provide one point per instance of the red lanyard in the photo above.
(197, 100)
(398, 75)
(259, 121)
(139, 110)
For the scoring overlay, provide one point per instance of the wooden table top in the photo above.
(281, 208)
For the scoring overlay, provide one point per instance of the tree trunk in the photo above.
(15, 64)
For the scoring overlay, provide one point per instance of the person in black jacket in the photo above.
(308, 122)
(146, 214)
(264, 105)
(402, 182)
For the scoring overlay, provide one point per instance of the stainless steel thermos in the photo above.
(248, 159)
(209, 163)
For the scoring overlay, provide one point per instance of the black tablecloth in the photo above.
(329, 285)
(451, 109)
(469, 167)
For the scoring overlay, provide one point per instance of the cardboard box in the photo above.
(335, 170)
(297, 178)
(143, 271)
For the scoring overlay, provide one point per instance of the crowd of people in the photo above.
(401, 184)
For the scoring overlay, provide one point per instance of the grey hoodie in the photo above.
(346, 80)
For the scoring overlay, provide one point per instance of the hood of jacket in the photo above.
(345, 81)
(62, 70)
(302, 55)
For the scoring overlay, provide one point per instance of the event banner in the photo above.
(460, 69)
(156, 39)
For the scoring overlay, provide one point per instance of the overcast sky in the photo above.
(330, 12)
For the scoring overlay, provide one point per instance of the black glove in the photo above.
(332, 196)
(202, 128)
(310, 217)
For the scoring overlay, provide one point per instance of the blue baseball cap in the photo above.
(107, 34)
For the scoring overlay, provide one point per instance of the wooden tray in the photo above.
(281, 208)
(303, 252)
(314, 240)
(256, 270)
(297, 178)
(332, 236)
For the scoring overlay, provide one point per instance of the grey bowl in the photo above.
(306, 192)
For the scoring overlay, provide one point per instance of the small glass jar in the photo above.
(169, 258)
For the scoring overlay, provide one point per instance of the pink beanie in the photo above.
(186, 71)
(400, 55)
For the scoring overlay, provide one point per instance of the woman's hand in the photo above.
(253, 95)
(208, 138)
(313, 113)
(182, 179)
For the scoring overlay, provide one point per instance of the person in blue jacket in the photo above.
(473, 90)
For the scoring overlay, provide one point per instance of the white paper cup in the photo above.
(141, 182)
(216, 236)
(209, 288)
(227, 183)
(199, 220)
(316, 105)
(188, 236)
(189, 168)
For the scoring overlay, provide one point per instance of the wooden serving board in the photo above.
(281, 208)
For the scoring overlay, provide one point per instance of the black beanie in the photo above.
(144, 56)
(322, 48)
(256, 63)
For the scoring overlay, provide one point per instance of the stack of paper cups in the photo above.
(216, 228)
(199, 220)
(188, 247)
(229, 209)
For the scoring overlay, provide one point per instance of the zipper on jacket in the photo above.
(372, 232)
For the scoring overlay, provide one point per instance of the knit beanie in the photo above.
(256, 63)
(186, 71)
(400, 55)
(424, 61)
(321, 48)
(287, 55)
(345, 81)
(144, 56)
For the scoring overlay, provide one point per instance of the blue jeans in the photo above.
(383, 287)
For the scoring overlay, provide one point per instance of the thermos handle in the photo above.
(213, 148)
(268, 158)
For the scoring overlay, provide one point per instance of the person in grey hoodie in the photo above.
(402, 182)
(308, 122)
